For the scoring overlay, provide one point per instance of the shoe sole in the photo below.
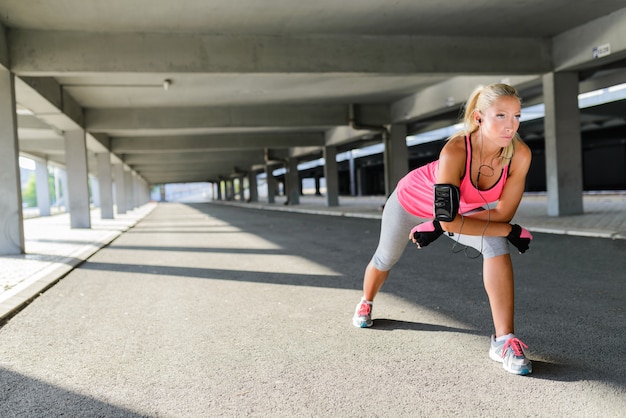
(360, 324)
(525, 372)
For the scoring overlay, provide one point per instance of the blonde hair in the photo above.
(482, 98)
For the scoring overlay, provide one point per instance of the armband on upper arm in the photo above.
(446, 205)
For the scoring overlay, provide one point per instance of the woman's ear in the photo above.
(477, 117)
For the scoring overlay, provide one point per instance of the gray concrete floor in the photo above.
(217, 310)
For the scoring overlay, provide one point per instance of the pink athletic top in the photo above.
(415, 190)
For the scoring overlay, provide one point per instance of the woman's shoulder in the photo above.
(452, 160)
(454, 147)
(522, 151)
(457, 140)
(521, 157)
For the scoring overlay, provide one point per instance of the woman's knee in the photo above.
(495, 247)
(383, 263)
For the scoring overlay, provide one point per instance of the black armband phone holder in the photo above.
(446, 205)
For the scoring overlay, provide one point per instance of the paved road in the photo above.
(209, 310)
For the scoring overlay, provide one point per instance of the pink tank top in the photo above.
(415, 190)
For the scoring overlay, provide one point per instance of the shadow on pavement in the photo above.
(569, 290)
(384, 324)
(216, 274)
(40, 399)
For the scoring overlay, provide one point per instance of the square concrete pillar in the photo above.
(396, 156)
(563, 144)
(271, 184)
(43, 187)
(77, 178)
(253, 186)
(120, 189)
(128, 190)
(332, 178)
(105, 180)
(11, 218)
(292, 182)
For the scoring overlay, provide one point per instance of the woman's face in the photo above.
(500, 121)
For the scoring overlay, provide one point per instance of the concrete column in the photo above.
(396, 156)
(563, 144)
(242, 196)
(332, 179)
(135, 183)
(146, 192)
(60, 184)
(253, 187)
(141, 191)
(360, 181)
(219, 190)
(144, 188)
(230, 189)
(77, 178)
(271, 184)
(232, 193)
(128, 190)
(352, 175)
(105, 180)
(162, 192)
(94, 187)
(43, 187)
(11, 217)
(292, 182)
(120, 189)
(64, 190)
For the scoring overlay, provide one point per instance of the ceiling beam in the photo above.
(46, 52)
(206, 157)
(52, 104)
(576, 49)
(450, 94)
(189, 118)
(214, 142)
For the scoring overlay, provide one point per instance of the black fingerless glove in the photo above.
(520, 237)
(426, 232)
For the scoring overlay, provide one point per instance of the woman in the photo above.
(484, 164)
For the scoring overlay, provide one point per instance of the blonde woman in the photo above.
(472, 193)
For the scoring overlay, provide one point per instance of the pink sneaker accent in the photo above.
(516, 345)
(364, 309)
(363, 315)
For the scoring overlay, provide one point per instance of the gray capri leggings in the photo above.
(396, 225)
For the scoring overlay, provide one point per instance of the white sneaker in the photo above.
(363, 314)
(511, 354)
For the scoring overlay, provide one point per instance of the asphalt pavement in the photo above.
(206, 309)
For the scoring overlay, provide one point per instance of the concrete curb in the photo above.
(528, 223)
(15, 299)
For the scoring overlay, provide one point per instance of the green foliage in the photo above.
(29, 192)
(51, 188)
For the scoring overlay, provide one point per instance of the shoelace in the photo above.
(516, 345)
(364, 309)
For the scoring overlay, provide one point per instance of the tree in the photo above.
(29, 192)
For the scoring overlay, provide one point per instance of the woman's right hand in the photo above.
(425, 233)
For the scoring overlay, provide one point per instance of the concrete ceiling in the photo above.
(244, 76)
